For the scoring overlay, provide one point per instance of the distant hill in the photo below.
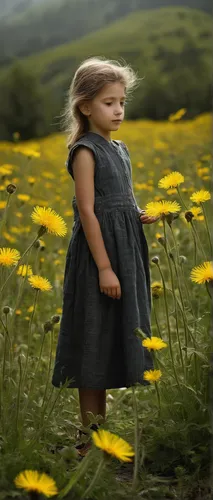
(30, 26)
(15, 7)
(170, 48)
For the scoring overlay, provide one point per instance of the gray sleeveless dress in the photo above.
(97, 347)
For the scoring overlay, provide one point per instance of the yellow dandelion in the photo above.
(202, 273)
(152, 375)
(18, 312)
(23, 197)
(31, 179)
(48, 175)
(171, 180)
(40, 283)
(113, 445)
(31, 153)
(30, 309)
(49, 219)
(164, 207)
(4, 170)
(59, 310)
(9, 256)
(61, 251)
(177, 116)
(68, 213)
(8, 237)
(154, 343)
(24, 270)
(2, 205)
(197, 212)
(200, 196)
(157, 289)
(33, 481)
(140, 164)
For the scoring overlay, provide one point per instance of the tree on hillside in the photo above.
(22, 104)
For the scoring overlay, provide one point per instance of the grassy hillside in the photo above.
(169, 48)
(37, 25)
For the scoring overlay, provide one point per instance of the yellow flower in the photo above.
(113, 445)
(171, 180)
(4, 170)
(2, 205)
(202, 273)
(59, 310)
(40, 283)
(18, 312)
(50, 220)
(32, 481)
(197, 212)
(152, 375)
(8, 237)
(23, 197)
(177, 116)
(31, 179)
(200, 196)
(9, 256)
(157, 289)
(30, 309)
(48, 175)
(140, 164)
(68, 213)
(157, 208)
(154, 343)
(24, 269)
(31, 153)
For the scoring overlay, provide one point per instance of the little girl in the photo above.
(106, 293)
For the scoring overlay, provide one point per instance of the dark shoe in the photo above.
(83, 448)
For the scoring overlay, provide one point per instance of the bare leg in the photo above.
(93, 400)
(102, 403)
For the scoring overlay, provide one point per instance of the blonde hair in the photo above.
(90, 77)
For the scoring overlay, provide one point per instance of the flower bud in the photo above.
(6, 309)
(155, 259)
(162, 241)
(189, 216)
(11, 188)
(48, 327)
(55, 318)
(182, 259)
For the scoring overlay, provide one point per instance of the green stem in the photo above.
(136, 431)
(30, 392)
(4, 215)
(18, 399)
(49, 367)
(81, 469)
(29, 334)
(207, 227)
(95, 477)
(156, 319)
(158, 396)
(176, 315)
(181, 199)
(198, 239)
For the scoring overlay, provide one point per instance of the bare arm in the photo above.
(83, 171)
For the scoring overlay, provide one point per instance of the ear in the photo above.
(85, 109)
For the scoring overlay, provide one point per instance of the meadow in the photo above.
(166, 424)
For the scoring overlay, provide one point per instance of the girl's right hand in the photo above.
(109, 283)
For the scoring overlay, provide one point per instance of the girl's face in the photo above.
(105, 112)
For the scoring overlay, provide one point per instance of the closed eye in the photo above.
(108, 103)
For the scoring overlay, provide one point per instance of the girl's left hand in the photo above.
(145, 219)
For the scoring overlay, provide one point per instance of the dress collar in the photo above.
(98, 138)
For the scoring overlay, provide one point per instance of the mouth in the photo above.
(117, 121)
